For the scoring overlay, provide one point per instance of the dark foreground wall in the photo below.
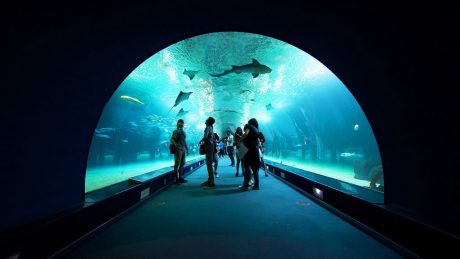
(64, 62)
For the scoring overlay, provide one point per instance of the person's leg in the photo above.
(262, 161)
(246, 173)
(181, 169)
(255, 165)
(177, 159)
(231, 155)
(209, 156)
(237, 165)
(216, 163)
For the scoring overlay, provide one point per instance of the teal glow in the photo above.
(306, 113)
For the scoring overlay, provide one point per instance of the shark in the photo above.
(182, 112)
(131, 99)
(190, 73)
(254, 68)
(180, 98)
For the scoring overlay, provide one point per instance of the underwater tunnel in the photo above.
(310, 119)
(318, 142)
(95, 93)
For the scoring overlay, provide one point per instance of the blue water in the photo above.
(310, 119)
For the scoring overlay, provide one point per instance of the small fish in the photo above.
(124, 140)
(352, 155)
(190, 73)
(269, 107)
(180, 98)
(254, 68)
(102, 136)
(226, 110)
(182, 112)
(244, 91)
(104, 130)
(131, 99)
(132, 123)
(153, 120)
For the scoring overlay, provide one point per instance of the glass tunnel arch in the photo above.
(310, 119)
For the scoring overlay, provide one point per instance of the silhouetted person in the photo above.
(180, 150)
(252, 157)
(262, 150)
(230, 148)
(237, 140)
(208, 140)
(216, 154)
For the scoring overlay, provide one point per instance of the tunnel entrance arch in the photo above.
(310, 119)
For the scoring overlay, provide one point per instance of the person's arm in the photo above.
(237, 139)
(205, 135)
(173, 141)
(186, 146)
(245, 134)
(262, 137)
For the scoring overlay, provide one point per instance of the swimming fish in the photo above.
(124, 141)
(182, 112)
(244, 91)
(104, 130)
(102, 135)
(180, 98)
(190, 73)
(269, 106)
(132, 123)
(153, 120)
(226, 110)
(353, 155)
(254, 68)
(131, 99)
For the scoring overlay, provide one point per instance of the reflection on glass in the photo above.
(309, 118)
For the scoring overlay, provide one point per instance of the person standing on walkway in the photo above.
(252, 158)
(230, 148)
(237, 140)
(208, 140)
(262, 150)
(216, 154)
(180, 150)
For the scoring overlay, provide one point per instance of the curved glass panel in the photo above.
(309, 118)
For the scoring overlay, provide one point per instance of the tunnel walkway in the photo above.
(188, 221)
